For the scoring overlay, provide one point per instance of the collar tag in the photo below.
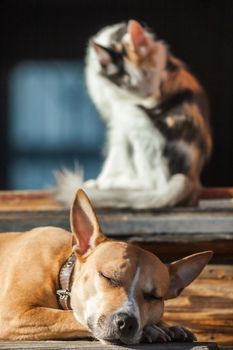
(63, 293)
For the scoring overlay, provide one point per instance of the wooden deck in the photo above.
(93, 345)
(206, 306)
(171, 233)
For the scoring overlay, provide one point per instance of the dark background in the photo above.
(199, 32)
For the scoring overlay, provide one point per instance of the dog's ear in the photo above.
(184, 271)
(84, 225)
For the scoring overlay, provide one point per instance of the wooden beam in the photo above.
(183, 224)
(42, 199)
(217, 193)
(170, 233)
(91, 345)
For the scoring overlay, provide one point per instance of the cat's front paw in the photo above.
(178, 333)
(154, 334)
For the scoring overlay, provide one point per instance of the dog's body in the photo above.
(30, 264)
(118, 290)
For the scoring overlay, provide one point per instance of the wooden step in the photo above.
(73, 345)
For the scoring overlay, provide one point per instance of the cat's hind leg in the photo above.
(178, 190)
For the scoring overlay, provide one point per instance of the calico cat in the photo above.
(157, 119)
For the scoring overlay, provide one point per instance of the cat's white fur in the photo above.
(135, 173)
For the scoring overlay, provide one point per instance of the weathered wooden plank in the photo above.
(154, 226)
(72, 345)
(27, 219)
(28, 200)
(41, 199)
(217, 272)
(183, 223)
(215, 203)
(23, 210)
(168, 233)
(217, 193)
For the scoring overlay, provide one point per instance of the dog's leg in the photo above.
(43, 323)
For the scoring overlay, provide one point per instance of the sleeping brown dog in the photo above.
(112, 290)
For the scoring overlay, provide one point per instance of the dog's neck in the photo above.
(64, 278)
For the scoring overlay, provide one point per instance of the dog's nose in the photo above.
(126, 324)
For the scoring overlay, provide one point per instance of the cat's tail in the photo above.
(179, 188)
(67, 184)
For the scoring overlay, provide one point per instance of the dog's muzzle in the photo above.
(119, 327)
(125, 325)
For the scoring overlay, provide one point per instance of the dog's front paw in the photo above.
(154, 334)
(178, 333)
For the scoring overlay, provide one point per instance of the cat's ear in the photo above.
(140, 39)
(106, 58)
(103, 55)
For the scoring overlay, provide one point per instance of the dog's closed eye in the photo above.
(112, 281)
(151, 297)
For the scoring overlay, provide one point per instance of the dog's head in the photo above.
(118, 288)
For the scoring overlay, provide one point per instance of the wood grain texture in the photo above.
(72, 345)
(28, 200)
(23, 210)
(206, 306)
(45, 199)
(217, 193)
(170, 233)
(178, 224)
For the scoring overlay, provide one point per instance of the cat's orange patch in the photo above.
(181, 80)
(142, 61)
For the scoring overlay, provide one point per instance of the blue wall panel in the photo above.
(52, 123)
